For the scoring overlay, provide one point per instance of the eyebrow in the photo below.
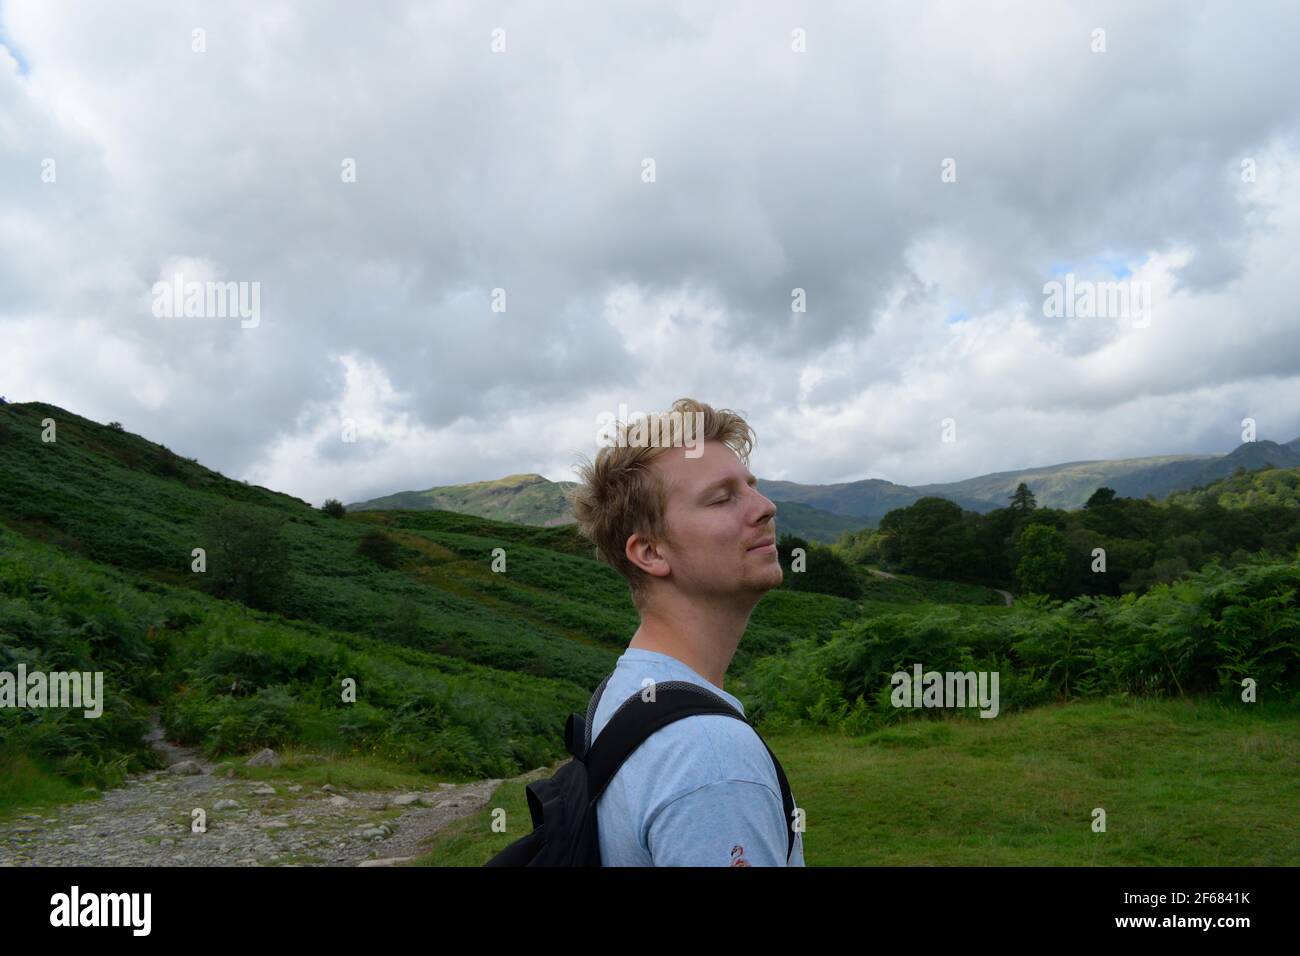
(724, 482)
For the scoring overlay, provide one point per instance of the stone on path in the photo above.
(265, 757)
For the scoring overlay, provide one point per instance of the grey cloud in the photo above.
(522, 171)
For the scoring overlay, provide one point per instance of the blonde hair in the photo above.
(620, 495)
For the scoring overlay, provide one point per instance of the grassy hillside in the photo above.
(230, 679)
(522, 499)
(555, 611)
(98, 532)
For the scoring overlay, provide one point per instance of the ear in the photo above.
(647, 556)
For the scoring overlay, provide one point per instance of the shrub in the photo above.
(824, 570)
(248, 556)
(379, 548)
(333, 508)
(407, 626)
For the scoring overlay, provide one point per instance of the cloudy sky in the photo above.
(648, 183)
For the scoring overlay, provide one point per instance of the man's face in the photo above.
(715, 519)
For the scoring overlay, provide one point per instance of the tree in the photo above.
(931, 538)
(1101, 497)
(861, 546)
(992, 539)
(1163, 571)
(1022, 499)
(1044, 560)
(247, 556)
(334, 508)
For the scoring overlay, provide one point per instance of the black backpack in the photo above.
(563, 807)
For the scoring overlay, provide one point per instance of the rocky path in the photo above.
(149, 821)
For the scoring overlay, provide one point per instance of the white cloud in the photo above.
(776, 170)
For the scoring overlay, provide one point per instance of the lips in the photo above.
(765, 546)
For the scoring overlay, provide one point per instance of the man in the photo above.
(683, 522)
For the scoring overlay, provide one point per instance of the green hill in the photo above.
(522, 499)
(866, 501)
(812, 524)
(1067, 485)
(99, 520)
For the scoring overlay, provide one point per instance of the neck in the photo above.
(702, 635)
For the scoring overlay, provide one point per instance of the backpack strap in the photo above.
(636, 719)
(591, 713)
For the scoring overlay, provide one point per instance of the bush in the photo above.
(825, 572)
(165, 465)
(247, 556)
(407, 626)
(380, 548)
(333, 508)
(116, 426)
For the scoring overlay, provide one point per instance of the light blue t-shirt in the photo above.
(701, 791)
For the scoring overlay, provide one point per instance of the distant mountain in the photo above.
(1060, 486)
(1063, 486)
(822, 512)
(1160, 481)
(812, 524)
(1068, 485)
(870, 498)
(534, 500)
(521, 499)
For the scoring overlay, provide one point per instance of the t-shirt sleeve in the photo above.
(724, 823)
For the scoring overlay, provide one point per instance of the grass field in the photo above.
(1182, 784)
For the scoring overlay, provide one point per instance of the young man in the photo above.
(682, 520)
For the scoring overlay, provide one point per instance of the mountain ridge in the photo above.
(820, 512)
